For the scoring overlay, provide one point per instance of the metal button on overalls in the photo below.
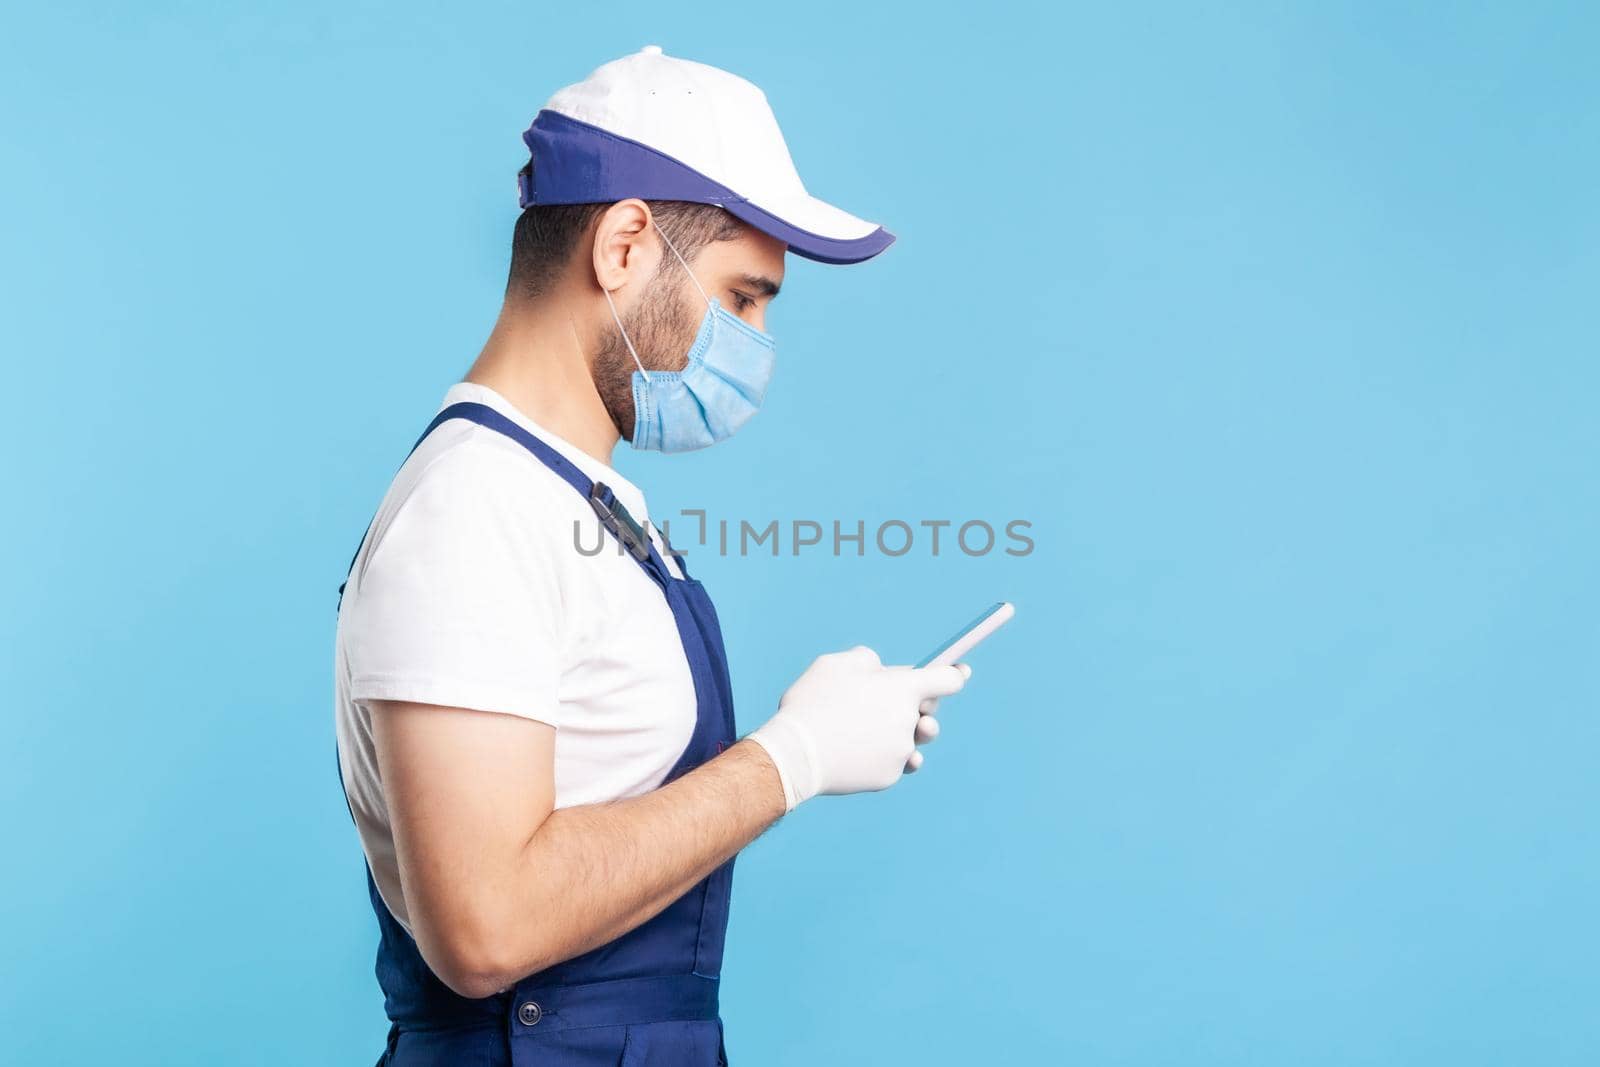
(653, 992)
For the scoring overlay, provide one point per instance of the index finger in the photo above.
(941, 681)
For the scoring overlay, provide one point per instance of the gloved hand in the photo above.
(851, 725)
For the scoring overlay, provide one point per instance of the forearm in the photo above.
(591, 873)
(500, 884)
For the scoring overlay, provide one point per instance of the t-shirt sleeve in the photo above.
(459, 602)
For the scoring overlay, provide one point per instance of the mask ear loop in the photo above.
(623, 330)
(618, 318)
(685, 262)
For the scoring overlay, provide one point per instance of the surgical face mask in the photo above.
(718, 390)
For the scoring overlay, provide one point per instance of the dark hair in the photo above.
(547, 234)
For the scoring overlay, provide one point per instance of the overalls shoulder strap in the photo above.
(613, 516)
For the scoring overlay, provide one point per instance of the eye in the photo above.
(741, 302)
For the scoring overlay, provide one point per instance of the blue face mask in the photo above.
(718, 390)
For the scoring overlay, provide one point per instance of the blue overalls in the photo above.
(650, 996)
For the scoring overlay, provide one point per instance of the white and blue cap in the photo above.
(657, 127)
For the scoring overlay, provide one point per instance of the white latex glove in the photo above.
(927, 725)
(851, 725)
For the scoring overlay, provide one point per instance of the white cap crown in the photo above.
(658, 127)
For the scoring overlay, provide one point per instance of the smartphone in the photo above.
(967, 638)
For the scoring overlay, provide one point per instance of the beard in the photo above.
(662, 331)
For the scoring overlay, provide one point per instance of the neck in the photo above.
(535, 359)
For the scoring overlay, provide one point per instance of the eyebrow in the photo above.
(761, 284)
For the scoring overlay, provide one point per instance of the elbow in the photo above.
(469, 972)
(469, 965)
(473, 984)
(466, 984)
(477, 959)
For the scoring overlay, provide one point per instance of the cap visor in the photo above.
(815, 229)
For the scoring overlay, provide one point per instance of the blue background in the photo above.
(1278, 323)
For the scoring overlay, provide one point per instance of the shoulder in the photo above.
(483, 473)
(469, 495)
(465, 451)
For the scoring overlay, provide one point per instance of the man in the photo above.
(537, 743)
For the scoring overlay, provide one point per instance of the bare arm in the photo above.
(499, 885)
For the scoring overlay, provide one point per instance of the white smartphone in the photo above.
(967, 638)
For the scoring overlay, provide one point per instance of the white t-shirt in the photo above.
(470, 591)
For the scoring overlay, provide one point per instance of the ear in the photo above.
(622, 250)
